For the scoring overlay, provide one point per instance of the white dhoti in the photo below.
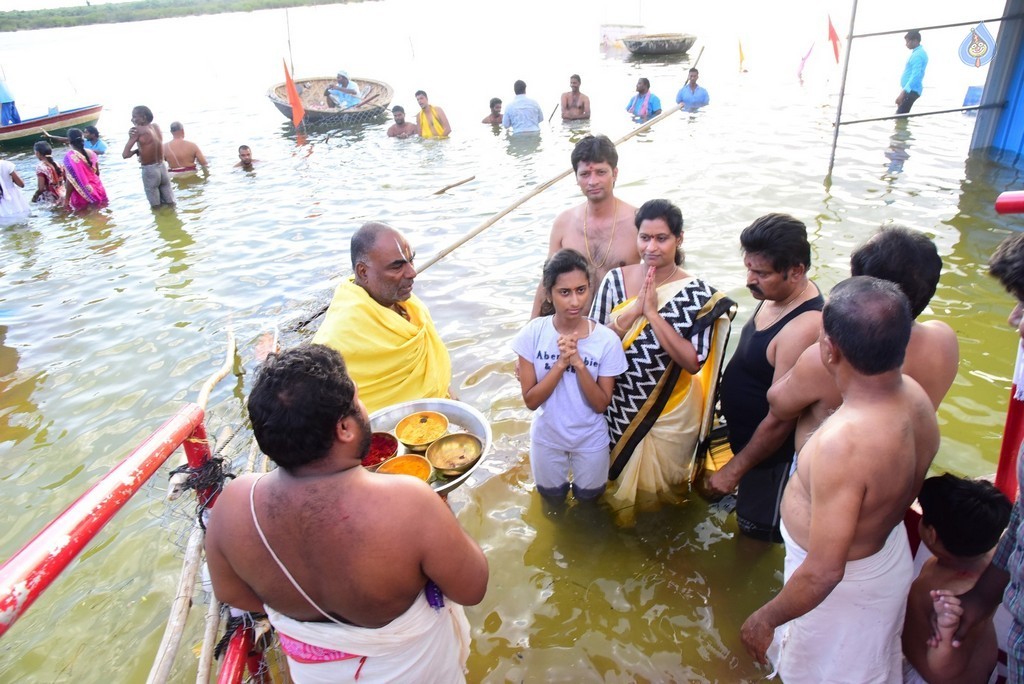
(421, 645)
(854, 634)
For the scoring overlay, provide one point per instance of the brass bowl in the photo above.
(408, 464)
(454, 454)
(419, 430)
(383, 445)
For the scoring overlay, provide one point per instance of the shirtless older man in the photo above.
(183, 156)
(575, 105)
(602, 228)
(383, 330)
(848, 567)
(909, 259)
(376, 596)
(146, 141)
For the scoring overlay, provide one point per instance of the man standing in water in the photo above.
(777, 255)
(350, 591)
(645, 105)
(523, 114)
(495, 116)
(245, 160)
(848, 568)
(575, 105)
(431, 120)
(601, 228)
(401, 128)
(383, 330)
(909, 259)
(912, 80)
(146, 140)
(183, 156)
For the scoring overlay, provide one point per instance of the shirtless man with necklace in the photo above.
(602, 227)
(575, 105)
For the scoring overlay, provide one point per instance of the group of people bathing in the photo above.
(524, 115)
(75, 183)
(851, 384)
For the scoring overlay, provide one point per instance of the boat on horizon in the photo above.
(659, 43)
(57, 123)
(376, 97)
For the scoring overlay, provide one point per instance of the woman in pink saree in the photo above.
(82, 175)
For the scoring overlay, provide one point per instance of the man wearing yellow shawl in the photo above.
(383, 331)
(431, 120)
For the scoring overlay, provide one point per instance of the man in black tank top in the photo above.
(777, 256)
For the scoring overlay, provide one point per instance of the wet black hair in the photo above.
(903, 256)
(1007, 265)
(594, 149)
(297, 399)
(969, 516)
(869, 320)
(669, 213)
(779, 238)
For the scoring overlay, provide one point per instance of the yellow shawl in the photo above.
(430, 124)
(390, 359)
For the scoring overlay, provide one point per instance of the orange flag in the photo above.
(298, 111)
(833, 38)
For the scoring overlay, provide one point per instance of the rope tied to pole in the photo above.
(209, 477)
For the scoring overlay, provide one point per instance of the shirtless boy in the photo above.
(847, 568)
(960, 524)
(146, 141)
(575, 105)
(401, 128)
(602, 228)
(909, 259)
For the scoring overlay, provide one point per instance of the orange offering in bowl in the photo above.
(408, 464)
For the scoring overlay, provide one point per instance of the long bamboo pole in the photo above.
(175, 629)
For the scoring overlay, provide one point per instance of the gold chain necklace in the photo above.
(586, 240)
(785, 306)
(674, 271)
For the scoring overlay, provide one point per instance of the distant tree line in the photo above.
(114, 13)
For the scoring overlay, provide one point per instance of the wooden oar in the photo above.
(454, 185)
(553, 112)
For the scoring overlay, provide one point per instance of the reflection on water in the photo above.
(115, 318)
(899, 144)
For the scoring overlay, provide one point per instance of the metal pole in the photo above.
(842, 93)
(26, 574)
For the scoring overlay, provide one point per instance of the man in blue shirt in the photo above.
(522, 115)
(645, 105)
(691, 96)
(912, 80)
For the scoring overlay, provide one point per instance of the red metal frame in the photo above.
(26, 574)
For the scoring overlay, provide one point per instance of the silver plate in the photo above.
(461, 418)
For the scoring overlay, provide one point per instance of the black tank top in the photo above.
(748, 377)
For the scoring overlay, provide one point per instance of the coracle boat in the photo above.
(659, 43)
(28, 131)
(376, 96)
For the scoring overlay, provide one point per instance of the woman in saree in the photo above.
(82, 175)
(665, 318)
(49, 176)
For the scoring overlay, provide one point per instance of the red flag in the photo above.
(298, 111)
(833, 38)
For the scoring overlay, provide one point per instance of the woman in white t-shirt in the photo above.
(567, 368)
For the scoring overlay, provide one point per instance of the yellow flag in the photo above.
(741, 53)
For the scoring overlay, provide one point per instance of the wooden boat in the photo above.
(376, 98)
(28, 131)
(659, 43)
